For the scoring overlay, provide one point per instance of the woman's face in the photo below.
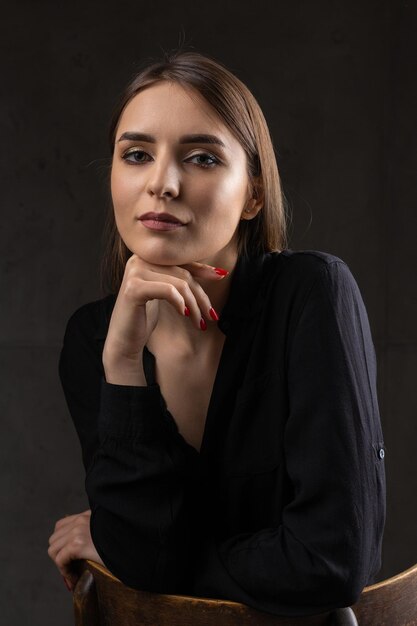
(174, 155)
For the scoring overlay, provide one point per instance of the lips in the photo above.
(160, 221)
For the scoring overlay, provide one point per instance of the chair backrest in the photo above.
(100, 598)
(391, 602)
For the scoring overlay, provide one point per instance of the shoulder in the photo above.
(311, 262)
(322, 279)
(91, 320)
(302, 269)
(82, 346)
(282, 281)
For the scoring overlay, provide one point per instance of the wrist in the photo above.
(125, 372)
(128, 379)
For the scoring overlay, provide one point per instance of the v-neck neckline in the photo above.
(149, 366)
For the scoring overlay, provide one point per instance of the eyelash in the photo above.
(215, 160)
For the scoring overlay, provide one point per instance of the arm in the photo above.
(105, 388)
(118, 427)
(139, 487)
(328, 545)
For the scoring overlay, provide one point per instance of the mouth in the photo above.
(160, 221)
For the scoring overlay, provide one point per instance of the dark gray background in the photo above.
(336, 80)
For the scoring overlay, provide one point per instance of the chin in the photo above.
(177, 255)
(158, 257)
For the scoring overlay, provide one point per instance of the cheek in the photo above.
(120, 201)
(230, 195)
(120, 189)
(114, 186)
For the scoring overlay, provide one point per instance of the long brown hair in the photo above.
(238, 109)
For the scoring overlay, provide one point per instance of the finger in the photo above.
(189, 273)
(80, 546)
(55, 547)
(200, 295)
(140, 287)
(196, 268)
(64, 521)
(142, 290)
(75, 547)
(64, 565)
(64, 535)
(129, 323)
(202, 301)
(62, 530)
(69, 519)
(203, 270)
(62, 558)
(193, 295)
(57, 541)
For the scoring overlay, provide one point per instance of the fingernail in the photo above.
(213, 314)
(203, 324)
(66, 583)
(220, 271)
(187, 311)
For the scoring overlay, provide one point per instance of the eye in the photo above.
(205, 160)
(136, 156)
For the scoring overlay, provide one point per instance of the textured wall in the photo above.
(336, 81)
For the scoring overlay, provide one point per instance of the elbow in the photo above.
(336, 579)
(349, 567)
(344, 586)
(353, 575)
(138, 561)
(347, 594)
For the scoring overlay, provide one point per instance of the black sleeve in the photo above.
(140, 489)
(139, 469)
(329, 543)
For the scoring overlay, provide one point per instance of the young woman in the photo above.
(224, 391)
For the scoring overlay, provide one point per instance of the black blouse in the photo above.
(283, 508)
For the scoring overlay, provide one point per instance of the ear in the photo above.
(256, 199)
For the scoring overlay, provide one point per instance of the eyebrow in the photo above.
(196, 138)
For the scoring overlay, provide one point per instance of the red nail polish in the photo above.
(187, 311)
(66, 583)
(203, 324)
(220, 271)
(213, 314)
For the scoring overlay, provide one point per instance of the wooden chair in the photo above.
(100, 599)
(391, 602)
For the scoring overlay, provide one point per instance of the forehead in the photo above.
(169, 107)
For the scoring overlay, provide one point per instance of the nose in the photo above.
(163, 180)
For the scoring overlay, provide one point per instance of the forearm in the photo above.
(139, 489)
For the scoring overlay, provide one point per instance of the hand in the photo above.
(135, 313)
(71, 541)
